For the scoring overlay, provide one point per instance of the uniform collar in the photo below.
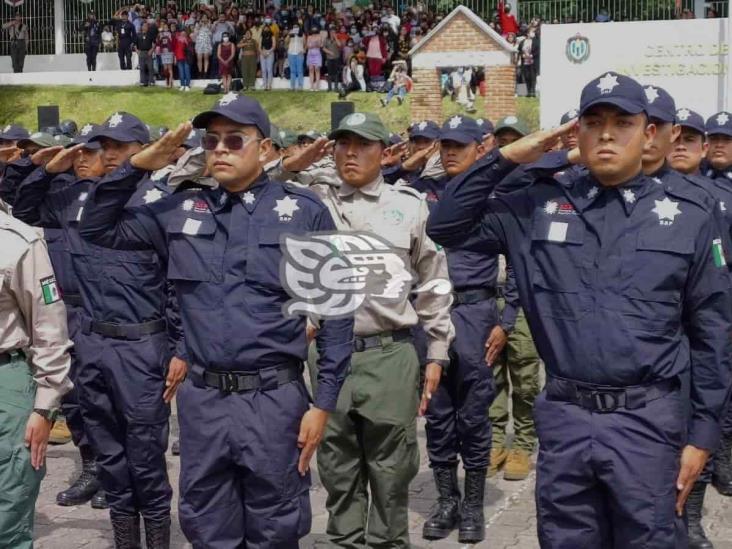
(370, 189)
(584, 193)
(725, 174)
(633, 190)
(220, 197)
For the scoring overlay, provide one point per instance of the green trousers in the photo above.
(519, 365)
(370, 447)
(19, 482)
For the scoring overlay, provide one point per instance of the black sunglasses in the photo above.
(232, 141)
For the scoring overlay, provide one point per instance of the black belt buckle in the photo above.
(605, 401)
(359, 345)
(229, 383)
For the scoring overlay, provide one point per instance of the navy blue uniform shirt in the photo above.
(621, 286)
(223, 253)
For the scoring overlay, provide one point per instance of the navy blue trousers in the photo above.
(239, 484)
(608, 480)
(121, 384)
(457, 416)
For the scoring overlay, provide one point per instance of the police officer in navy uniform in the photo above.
(687, 156)
(623, 298)
(457, 422)
(423, 158)
(247, 431)
(719, 160)
(127, 371)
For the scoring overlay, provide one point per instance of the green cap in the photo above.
(156, 132)
(365, 124)
(61, 139)
(287, 137)
(511, 123)
(310, 134)
(39, 138)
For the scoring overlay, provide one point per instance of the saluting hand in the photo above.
(693, 460)
(393, 155)
(157, 155)
(64, 160)
(307, 156)
(42, 156)
(312, 429)
(530, 148)
(10, 154)
(432, 376)
(419, 159)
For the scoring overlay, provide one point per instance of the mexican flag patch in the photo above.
(718, 253)
(50, 290)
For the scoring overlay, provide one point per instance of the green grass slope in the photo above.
(162, 107)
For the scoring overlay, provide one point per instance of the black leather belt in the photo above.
(500, 292)
(477, 295)
(72, 299)
(124, 331)
(601, 398)
(378, 340)
(242, 382)
(11, 356)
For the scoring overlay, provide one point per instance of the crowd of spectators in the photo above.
(347, 48)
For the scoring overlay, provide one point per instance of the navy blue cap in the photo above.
(687, 118)
(720, 124)
(661, 105)
(237, 108)
(462, 129)
(194, 139)
(123, 127)
(571, 114)
(395, 138)
(83, 137)
(485, 125)
(426, 129)
(14, 132)
(614, 89)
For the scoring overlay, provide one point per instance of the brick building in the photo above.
(462, 39)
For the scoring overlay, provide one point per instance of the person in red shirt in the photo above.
(181, 42)
(508, 21)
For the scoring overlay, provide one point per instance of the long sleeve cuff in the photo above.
(704, 434)
(508, 318)
(437, 350)
(48, 398)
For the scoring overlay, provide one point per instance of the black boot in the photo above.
(157, 533)
(722, 476)
(697, 537)
(446, 513)
(99, 501)
(83, 488)
(472, 521)
(126, 531)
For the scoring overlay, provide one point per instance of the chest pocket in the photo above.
(557, 274)
(654, 280)
(130, 267)
(193, 252)
(264, 256)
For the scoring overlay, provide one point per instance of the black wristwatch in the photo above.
(49, 415)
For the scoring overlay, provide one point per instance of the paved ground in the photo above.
(510, 520)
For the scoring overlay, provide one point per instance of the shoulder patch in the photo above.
(26, 232)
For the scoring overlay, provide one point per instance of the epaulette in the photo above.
(303, 192)
(26, 232)
(685, 188)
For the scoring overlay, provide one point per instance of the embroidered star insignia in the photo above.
(666, 210)
(152, 195)
(479, 121)
(722, 119)
(722, 207)
(248, 197)
(86, 129)
(115, 120)
(7, 128)
(422, 125)
(607, 83)
(551, 207)
(683, 114)
(285, 208)
(572, 114)
(187, 205)
(728, 175)
(510, 120)
(592, 193)
(228, 99)
(651, 94)
(629, 196)
(455, 121)
(657, 180)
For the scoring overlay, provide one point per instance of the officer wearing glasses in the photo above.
(247, 431)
